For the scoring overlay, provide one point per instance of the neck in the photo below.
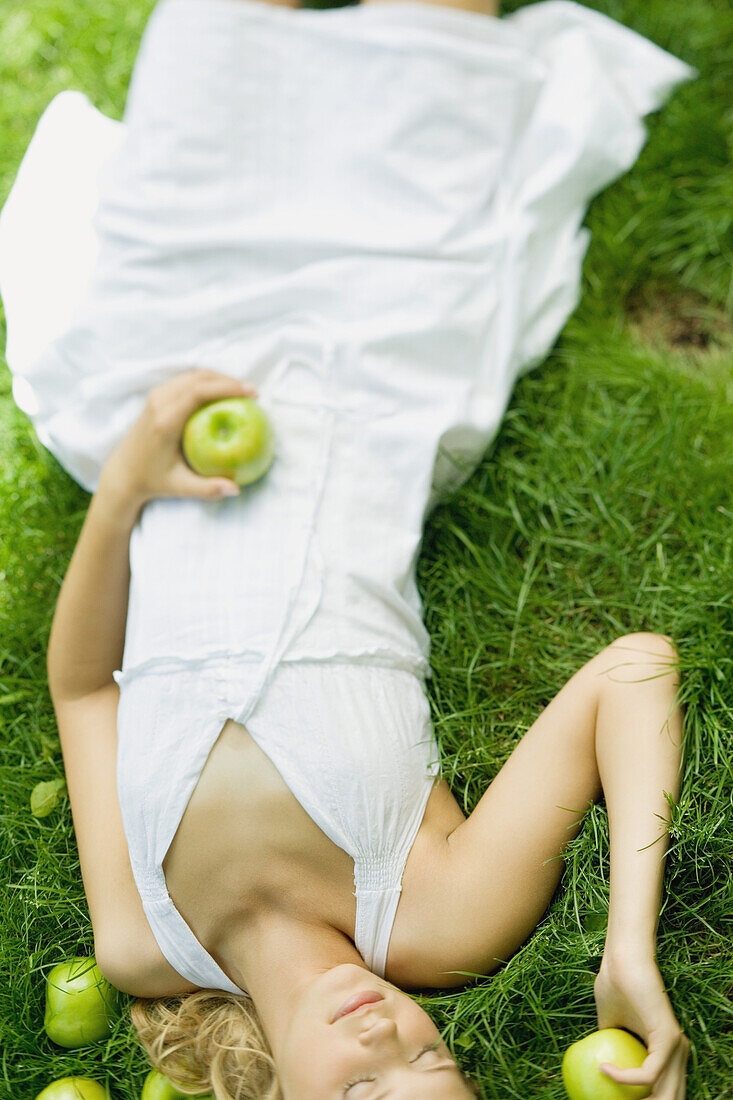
(278, 957)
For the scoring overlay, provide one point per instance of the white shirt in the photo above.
(372, 213)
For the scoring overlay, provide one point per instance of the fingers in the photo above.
(671, 1055)
(646, 1074)
(185, 483)
(172, 402)
(202, 376)
(682, 1089)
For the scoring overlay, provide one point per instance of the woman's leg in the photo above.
(485, 7)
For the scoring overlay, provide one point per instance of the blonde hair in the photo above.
(211, 1041)
(208, 1041)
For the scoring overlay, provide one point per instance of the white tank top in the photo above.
(372, 213)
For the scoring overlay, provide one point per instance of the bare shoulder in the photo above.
(473, 897)
(411, 957)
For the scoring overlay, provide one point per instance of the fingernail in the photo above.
(229, 491)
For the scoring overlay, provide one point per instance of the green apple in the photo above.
(80, 1003)
(74, 1088)
(584, 1080)
(158, 1087)
(230, 438)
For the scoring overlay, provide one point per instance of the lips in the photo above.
(366, 997)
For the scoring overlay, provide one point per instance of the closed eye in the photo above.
(359, 1080)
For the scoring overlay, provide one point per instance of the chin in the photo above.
(358, 968)
(357, 975)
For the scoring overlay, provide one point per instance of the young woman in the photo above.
(368, 218)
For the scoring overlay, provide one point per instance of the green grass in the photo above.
(604, 506)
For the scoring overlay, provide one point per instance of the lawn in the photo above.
(603, 506)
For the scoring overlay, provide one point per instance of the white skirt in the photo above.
(409, 177)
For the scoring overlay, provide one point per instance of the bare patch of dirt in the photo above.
(679, 320)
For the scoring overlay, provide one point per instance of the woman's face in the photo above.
(383, 1042)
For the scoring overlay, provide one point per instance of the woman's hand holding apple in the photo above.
(149, 462)
(582, 1076)
(629, 993)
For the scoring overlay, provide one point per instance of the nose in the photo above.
(382, 1028)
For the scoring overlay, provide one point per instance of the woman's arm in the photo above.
(614, 728)
(88, 629)
(637, 772)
